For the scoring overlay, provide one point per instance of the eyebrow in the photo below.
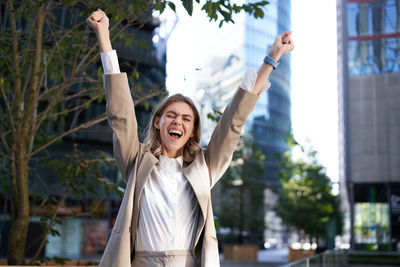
(175, 113)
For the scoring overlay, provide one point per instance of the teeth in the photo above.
(176, 132)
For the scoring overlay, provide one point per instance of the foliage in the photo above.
(77, 176)
(242, 195)
(220, 10)
(305, 200)
(242, 192)
(50, 75)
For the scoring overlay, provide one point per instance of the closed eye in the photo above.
(187, 117)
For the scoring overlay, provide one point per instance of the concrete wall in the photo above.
(374, 119)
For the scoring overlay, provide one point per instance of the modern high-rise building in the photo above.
(270, 122)
(369, 120)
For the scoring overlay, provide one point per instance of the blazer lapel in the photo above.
(145, 167)
(201, 187)
(143, 174)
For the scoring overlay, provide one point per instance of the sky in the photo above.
(314, 69)
(314, 79)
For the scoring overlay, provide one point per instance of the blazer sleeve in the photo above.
(122, 120)
(227, 133)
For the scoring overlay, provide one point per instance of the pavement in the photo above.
(266, 258)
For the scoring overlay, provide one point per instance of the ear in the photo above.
(157, 122)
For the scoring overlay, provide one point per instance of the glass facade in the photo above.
(369, 76)
(373, 37)
(371, 224)
(259, 34)
(270, 121)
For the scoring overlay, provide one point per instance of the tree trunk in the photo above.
(241, 215)
(19, 206)
(20, 152)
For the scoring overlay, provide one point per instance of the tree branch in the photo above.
(6, 60)
(31, 102)
(55, 99)
(27, 80)
(52, 103)
(81, 106)
(49, 226)
(3, 138)
(58, 51)
(73, 130)
(55, 48)
(65, 84)
(87, 125)
(113, 28)
(9, 111)
(84, 93)
(16, 63)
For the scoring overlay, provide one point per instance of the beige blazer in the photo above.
(136, 164)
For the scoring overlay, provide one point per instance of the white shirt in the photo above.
(169, 210)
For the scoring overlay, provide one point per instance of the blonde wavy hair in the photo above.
(153, 139)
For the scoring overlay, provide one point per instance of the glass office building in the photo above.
(369, 108)
(270, 121)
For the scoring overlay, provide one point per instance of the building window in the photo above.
(371, 224)
(374, 37)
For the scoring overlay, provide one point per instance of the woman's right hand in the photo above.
(98, 21)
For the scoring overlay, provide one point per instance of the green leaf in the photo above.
(188, 5)
(60, 260)
(258, 13)
(172, 6)
(226, 15)
(160, 6)
(54, 232)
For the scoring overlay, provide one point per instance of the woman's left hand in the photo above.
(282, 44)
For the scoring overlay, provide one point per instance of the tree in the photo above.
(76, 176)
(242, 195)
(305, 199)
(50, 73)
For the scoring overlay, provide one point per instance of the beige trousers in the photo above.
(170, 258)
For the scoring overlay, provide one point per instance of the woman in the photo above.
(166, 216)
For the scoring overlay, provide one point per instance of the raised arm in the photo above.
(120, 108)
(99, 22)
(227, 132)
(282, 44)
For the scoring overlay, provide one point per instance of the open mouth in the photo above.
(175, 134)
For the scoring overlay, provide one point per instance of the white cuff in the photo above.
(109, 60)
(249, 80)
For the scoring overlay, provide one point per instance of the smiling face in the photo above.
(176, 126)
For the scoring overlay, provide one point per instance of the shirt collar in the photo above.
(170, 162)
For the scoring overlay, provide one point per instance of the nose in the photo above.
(177, 120)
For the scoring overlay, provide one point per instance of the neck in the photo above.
(171, 154)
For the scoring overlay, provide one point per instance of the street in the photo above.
(266, 258)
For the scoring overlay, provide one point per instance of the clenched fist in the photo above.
(282, 44)
(98, 21)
